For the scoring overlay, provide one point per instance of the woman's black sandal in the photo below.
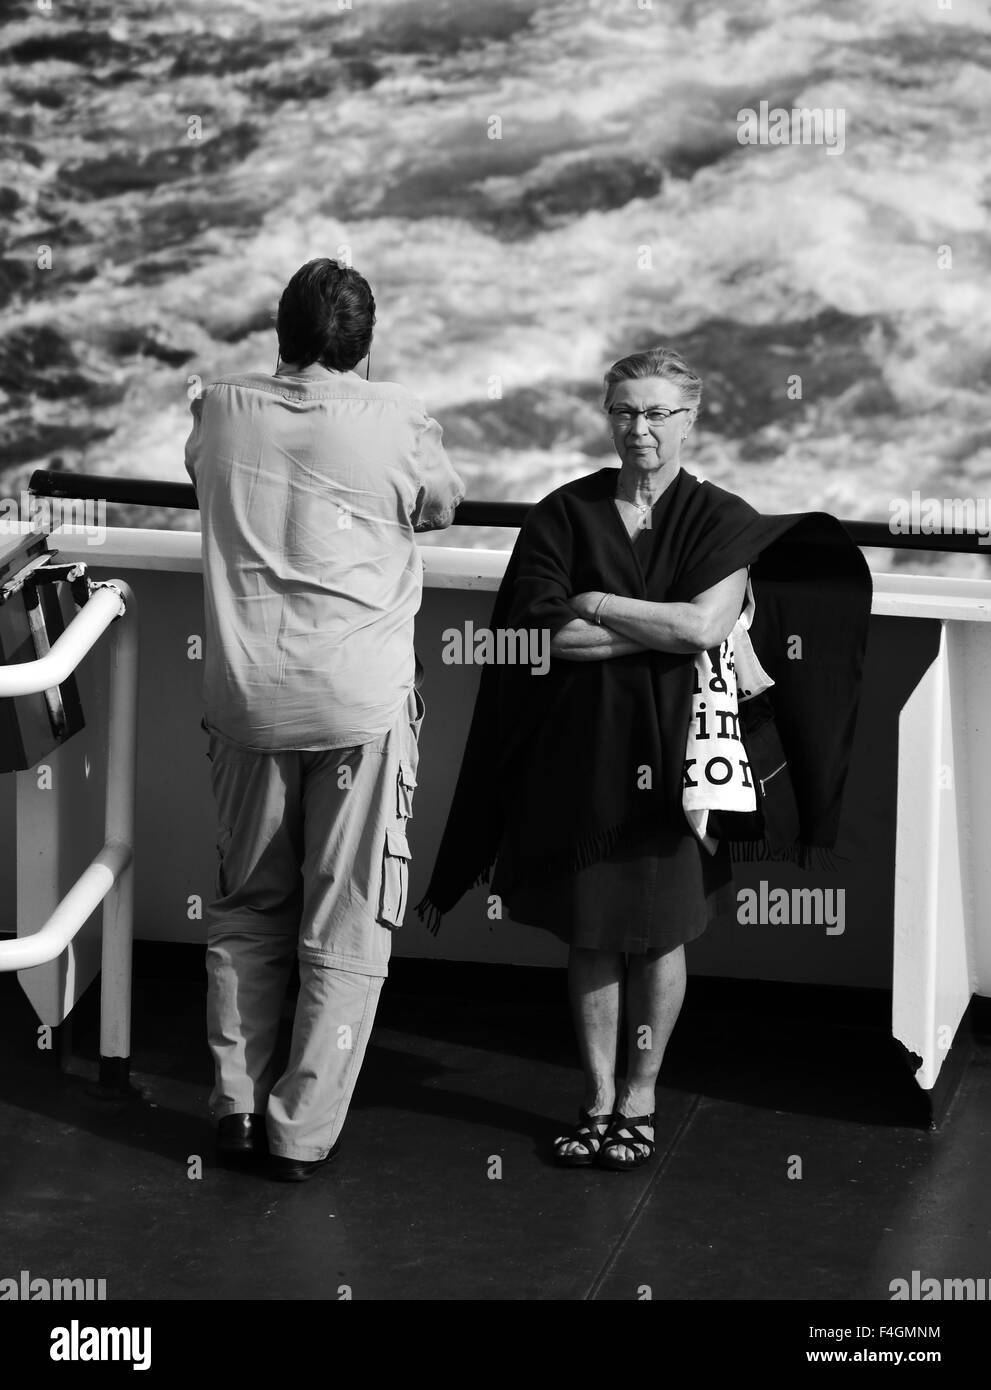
(589, 1132)
(623, 1133)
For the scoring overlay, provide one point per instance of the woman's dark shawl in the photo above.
(559, 758)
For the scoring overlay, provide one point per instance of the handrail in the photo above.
(154, 492)
(109, 878)
(81, 901)
(33, 677)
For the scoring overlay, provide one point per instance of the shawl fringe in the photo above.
(595, 847)
(803, 856)
(431, 915)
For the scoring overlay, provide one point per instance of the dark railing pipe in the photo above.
(152, 492)
(145, 492)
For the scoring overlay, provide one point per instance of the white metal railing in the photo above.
(109, 878)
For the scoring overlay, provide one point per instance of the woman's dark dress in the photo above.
(657, 889)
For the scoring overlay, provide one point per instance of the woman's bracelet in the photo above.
(598, 609)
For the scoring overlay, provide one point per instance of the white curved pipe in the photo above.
(81, 901)
(32, 677)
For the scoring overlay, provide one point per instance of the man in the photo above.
(311, 484)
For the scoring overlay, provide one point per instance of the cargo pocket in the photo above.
(405, 786)
(395, 878)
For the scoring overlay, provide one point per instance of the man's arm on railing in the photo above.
(193, 442)
(442, 489)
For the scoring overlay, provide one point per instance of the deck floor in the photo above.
(455, 1078)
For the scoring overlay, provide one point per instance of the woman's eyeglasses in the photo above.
(623, 415)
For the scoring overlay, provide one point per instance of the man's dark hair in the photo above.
(326, 315)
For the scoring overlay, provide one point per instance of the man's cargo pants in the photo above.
(314, 864)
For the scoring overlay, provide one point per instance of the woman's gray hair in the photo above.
(657, 361)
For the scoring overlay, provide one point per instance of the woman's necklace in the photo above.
(643, 508)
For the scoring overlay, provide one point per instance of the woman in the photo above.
(633, 573)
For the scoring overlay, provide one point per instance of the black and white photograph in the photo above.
(495, 652)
